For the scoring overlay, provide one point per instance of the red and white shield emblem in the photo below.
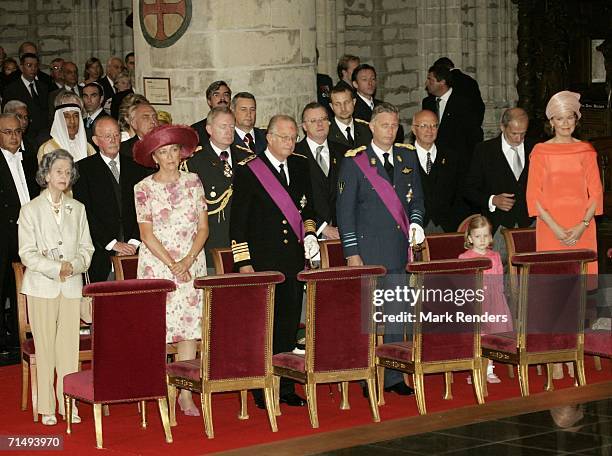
(163, 22)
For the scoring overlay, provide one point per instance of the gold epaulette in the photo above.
(365, 122)
(310, 226)
(246, 149)
(240, 250)
(248, 159)
(299, 155)
(407, 146)
(354, 152)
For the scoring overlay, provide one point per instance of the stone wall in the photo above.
(72, 29)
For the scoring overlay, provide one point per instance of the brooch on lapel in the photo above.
(372, 161)
(334, 161)
(69, 208)
(303, 201)
(406, 170)
(444, 161)
(398, 158)
(341, 185)
(409, 195)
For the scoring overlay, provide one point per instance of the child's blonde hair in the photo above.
(477, 221)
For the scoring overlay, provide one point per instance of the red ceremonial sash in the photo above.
(279, 195)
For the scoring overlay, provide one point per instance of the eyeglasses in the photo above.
(316, 121)
(116, 136)
(22, 116)
(425, 126)
(16, 132)
(286, 138)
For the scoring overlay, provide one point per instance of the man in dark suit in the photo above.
(247, 135)
(346, 64)
(17, 187)
(106, 188)
(28, 47)
(114, 66)
(438, 170)
(142, 117)
(497, 181)
(33, 93)
(214, 164)
(465, 85)
(266, 237)
(217, 94)
(57, 74)
(70, 84)
(367, 214)
(459, 127)
(343, 129)
(324, 159)
(93, 100)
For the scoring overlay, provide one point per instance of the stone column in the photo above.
(266, 47)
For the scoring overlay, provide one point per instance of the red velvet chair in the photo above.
(223, 260)
(128, 313)
(443, 246)
(236, 343)
(551, 284)
(518, 240)
(438, 347)
(462, 228)
(125, 266)
(27, 350)
(332, 254)
(339, 344)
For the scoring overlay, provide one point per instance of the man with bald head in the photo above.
(497, 180)
(106, 188)
(114, 66)
(439, 176)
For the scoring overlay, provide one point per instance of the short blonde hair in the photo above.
(477, 221)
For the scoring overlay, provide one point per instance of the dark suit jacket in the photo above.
(107, 219)
(362, 136)
(37, 110)
(323, 187)
(127, 146)
(108, 88)
(209, 167)
(362, 111)
(468, 87)
(324, 86)
(200, 127)
(490, 174)
(261, 143)
(459, 128)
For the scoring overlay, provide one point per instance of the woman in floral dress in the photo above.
(173, 222)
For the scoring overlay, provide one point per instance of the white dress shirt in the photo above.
(379, 153)
(275, 162)
(369, 102)
(218, 152)
(324, 152)
(443, 100)
(508, 153)
(16, 167)
(343, 126)
(422, 154)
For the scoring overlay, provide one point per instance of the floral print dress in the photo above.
(174, 209)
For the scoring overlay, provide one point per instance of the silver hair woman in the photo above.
(56, 248)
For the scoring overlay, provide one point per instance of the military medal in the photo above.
(398, 158)
(406, 170)
(341, 185)
(443, 161)
(409, 195)
(373, 161)
(227, 169)
(303, 201)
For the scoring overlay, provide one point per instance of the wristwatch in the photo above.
(586, 222)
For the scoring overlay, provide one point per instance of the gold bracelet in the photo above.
(193, 256)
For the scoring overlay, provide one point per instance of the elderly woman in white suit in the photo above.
(56, 248)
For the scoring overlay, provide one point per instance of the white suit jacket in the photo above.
(43, 245)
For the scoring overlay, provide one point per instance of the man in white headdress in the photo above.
(68, 130)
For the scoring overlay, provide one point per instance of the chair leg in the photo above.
(244, 413)
(372, 398)
(549, 385)
(478, 380)
(172, 404)
(510, 370)
(68, 409)
(539, 369)
(163, 413)
(25, 378)
(344, 403)
(596, 360)
(580, 376)
(311, 398)
(98, 424)
(106, 410)
(419, 392)
(143, 414)
(448, 386)
(483, 374)
(523, 374)
(269, 396)
(276, 382)
(207, 414)
(380, 380)
(34, 386)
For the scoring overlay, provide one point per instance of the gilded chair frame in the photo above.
(117, 261)
(425, 251)
(324, 249)
(217, 256)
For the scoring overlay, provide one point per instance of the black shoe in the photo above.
(400, 388)
(292, 400)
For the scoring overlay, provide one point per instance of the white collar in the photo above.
(420, 148)
(218, 151)
(447, 95)
(313, 144)
(27, 83)
(95, 114)
(342, 126)
(506, 147)
(379, 153)
(242, 134)
(369, 102)
(9, 155)
(108, 159)
(275, 162)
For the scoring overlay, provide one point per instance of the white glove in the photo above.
(416, 232)
(311, 246)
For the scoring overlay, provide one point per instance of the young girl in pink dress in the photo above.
(478, 241)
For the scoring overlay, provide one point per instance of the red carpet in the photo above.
(123, 434)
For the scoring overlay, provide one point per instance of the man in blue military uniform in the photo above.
(380, 209)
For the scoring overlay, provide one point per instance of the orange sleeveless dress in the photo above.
(565, 179)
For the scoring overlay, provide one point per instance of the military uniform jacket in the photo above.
(366, 226)
(260, 234)
(218, 191)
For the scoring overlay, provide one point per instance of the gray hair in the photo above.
(65, 96)
(279, 118)
(216, 112)
(384, 107)
(13, 105)
(9, 115)
(241, 95)
(47, 162)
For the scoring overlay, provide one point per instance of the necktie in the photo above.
(248, 139)
(113, 167)
(388, 166)
(349, 136)
(89, 122)
(33, 91)
(438, 108)
(428, 163)
(227, 169)
(321, 160)
(283, 175)
(517, 166)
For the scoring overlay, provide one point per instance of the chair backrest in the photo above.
(339, 326)
(237, 322)
(22, 304)
(223, 260)
(518, 240)
(444, 286)
(125, 266)
(552, 299)
(332, 254)
(462, 228)
(129, 338)
(443, 246)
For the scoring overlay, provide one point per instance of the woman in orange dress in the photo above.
(564, 187)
